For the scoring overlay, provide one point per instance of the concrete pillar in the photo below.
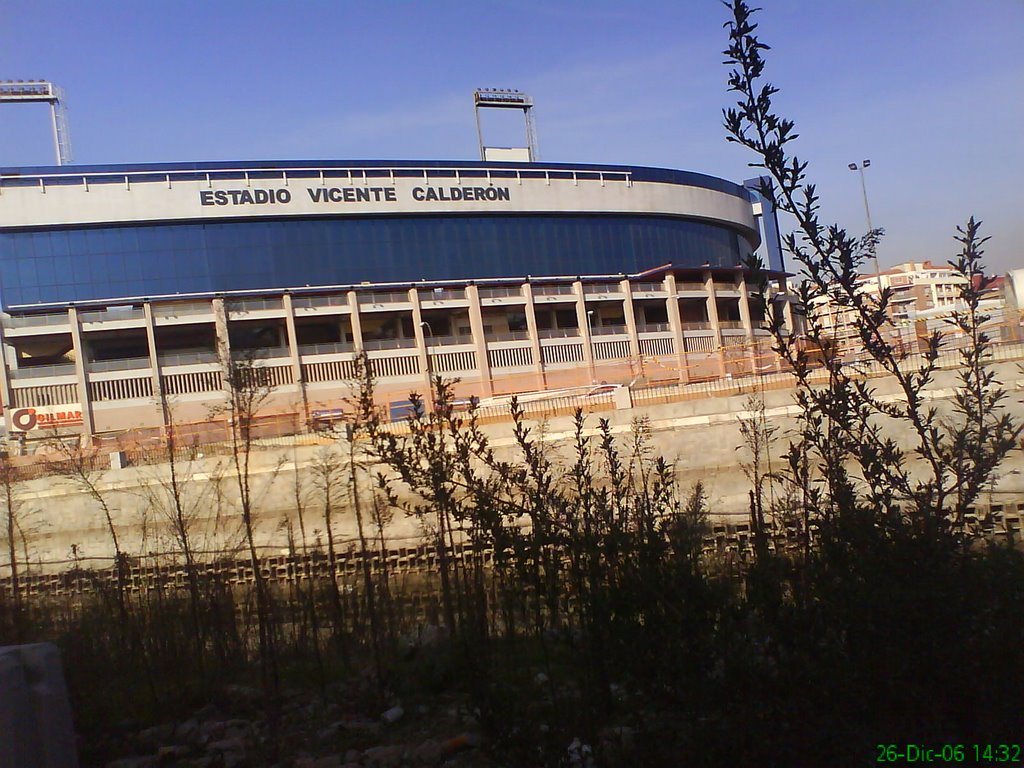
(220, 325)
(675, 323)
(748, 326)
(293, 350)
(583, 321)
(6, 399)
(80, 375)
(154, 366)
(356, 322)
(787, 309)
(421, 345)
(716, 328)
(476, 325)
(532, 330)
(627, 310)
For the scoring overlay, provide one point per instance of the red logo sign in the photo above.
(27, 419)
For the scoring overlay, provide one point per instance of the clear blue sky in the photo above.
(931, 91)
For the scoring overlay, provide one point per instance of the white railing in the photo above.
(388, 344)
(553, 290)
(443, 294)
(259, 354)
(447, 341)
(194, 357)
(255, 305)
(559, 333)
(311, 302)
(509, 336)
(43, 370)
(500, 293)
(648, 287)
(324, 173)
(391, 297)
(175, 310)
(112, 313)
(126, 364)
(327, 348)
(35, 321)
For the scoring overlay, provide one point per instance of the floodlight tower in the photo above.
(15, 91)
(505, 98)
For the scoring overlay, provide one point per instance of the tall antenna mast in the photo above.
(505, 98)
(15, 91)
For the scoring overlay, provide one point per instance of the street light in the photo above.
(867, 210)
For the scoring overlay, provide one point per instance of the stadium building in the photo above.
(125, 287)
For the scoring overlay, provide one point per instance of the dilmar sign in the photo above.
(44, 417)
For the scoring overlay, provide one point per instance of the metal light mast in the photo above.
(505, 98)
(15, 91)
(867, 210)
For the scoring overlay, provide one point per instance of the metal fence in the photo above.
(995, 521)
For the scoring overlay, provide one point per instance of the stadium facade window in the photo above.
(163, 259)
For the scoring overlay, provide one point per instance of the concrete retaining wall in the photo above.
(700, 437)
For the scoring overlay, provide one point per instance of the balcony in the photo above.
(447, 341)
(553, 290)
(377, 344)
(654, 328)
(263, 353)
(501, 292)
(315, 302)
(111, 314)
(591, 290)
(691, 286)
(37, 371)
(126, 364)
(443, 294)
(509, 336)
(36, 321)
(559, 333)
(329, 348)
(255, 305)
(161, 311)
(188, 357)
(609, 330)
(648, 288)
(390, 297)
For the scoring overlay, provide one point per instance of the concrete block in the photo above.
(623, 398)
(17, 721)
(36, 729)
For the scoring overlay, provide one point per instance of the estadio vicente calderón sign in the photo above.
(352, 195)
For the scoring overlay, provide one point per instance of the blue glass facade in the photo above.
(110, 262)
